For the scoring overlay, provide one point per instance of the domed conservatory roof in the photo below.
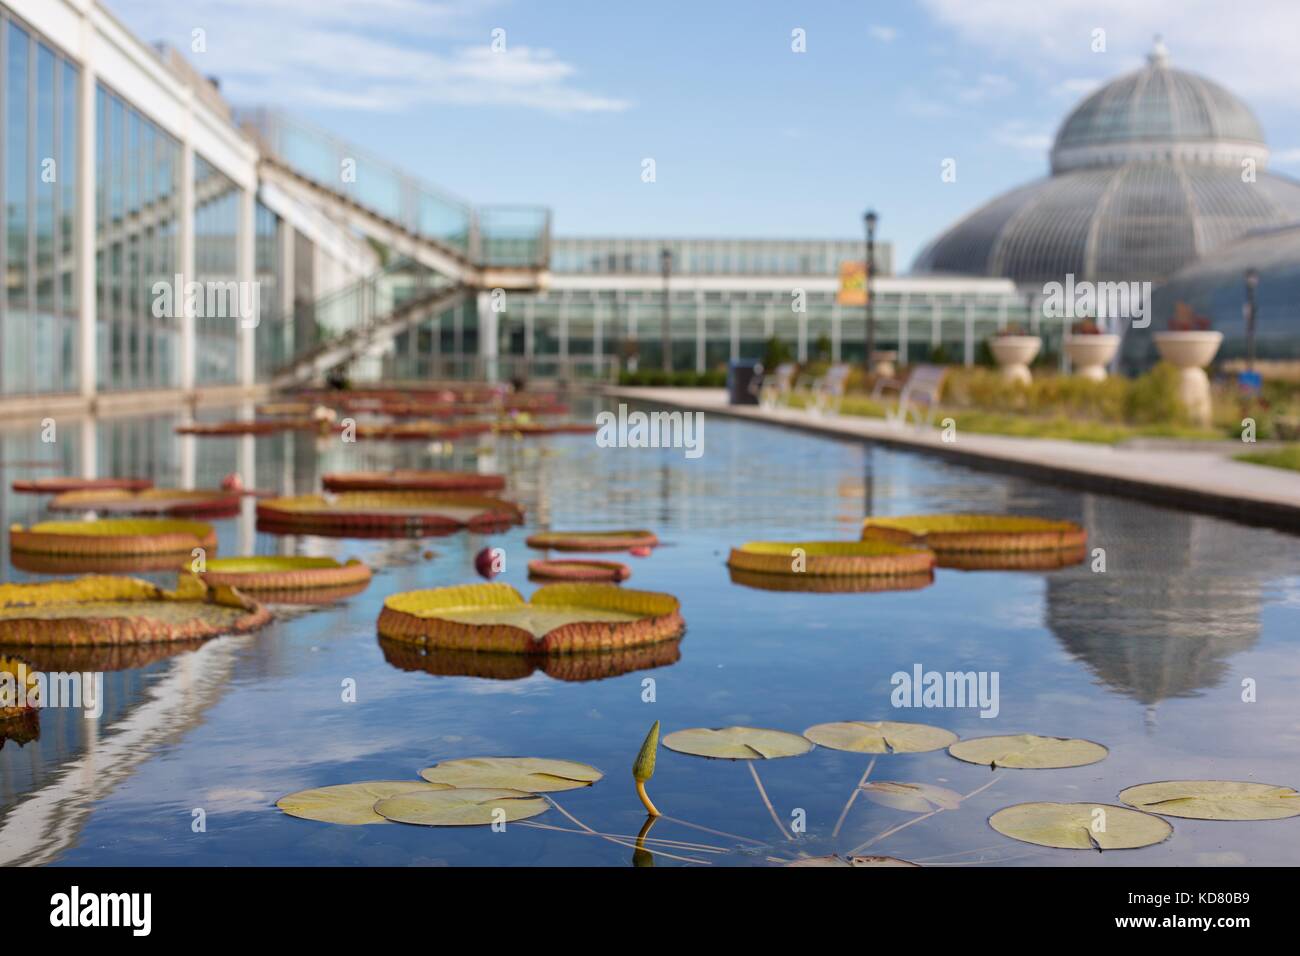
(1148, 174)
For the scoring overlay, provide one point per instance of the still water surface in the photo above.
(1148, 658)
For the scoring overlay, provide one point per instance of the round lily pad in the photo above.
(113, 537)
(737, 743)
(912, 797)
(172, 501)
(351, 804)
(1214, 799)
(391, 512)
(283, 574)
(58, 486)
(557, 619)
(831, 584)
(1046, 560)
(974, 532)
(573, 570)
(589, 666)
(830, 558)
(1029, 752)
(592, 540)
(97, 610)
(880, 736)
(461, 807)
(833, 860)
(1080, 826)
(410, 479)
(530, 774)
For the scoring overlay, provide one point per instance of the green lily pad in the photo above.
(913, 797)
(460, 807)
(1029, 752)
(1070, 826)
(1214, 799)
(737, 743)
(351, 804)
(880, 736)
(834, 860)
(529, 774)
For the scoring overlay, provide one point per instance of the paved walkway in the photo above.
(1179, 475)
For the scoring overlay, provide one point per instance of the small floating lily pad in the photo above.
(1214, 799)
(912, 797)
(573, 570)
(461, 807)
(1029, 752)
(737, 743)
(172, 501)
(1080, 826)
(880, 736)
(58, 486)
(411, 479)
(975, 532)
(592, 540)
(530, 774)
(393, 512)
(830, 558)
(557, 619)
(113, 537)
(351, 804)
(284, 575)
(833, 860)
(828, 584)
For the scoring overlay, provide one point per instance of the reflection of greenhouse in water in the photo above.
(1158, 631)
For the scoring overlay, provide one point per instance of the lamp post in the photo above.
(666, 267)
(1252, 282)
(869, 220)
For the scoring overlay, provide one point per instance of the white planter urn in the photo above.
(1013, 353)
(1190, 352)
(1090, 354)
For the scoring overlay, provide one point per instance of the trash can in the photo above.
(743, 382)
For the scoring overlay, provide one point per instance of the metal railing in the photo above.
(462, 368)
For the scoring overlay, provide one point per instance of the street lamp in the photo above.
(1252, 282)
(869, 219)
(666, 267)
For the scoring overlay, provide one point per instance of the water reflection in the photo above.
(596, 665)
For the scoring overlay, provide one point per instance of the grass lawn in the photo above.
(1030, 426)
(1288, 457)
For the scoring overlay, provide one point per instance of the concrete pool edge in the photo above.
(1199, 480)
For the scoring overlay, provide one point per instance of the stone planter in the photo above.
(1190, 352)
(1013, 353)
(1090, 354)
(882, 363)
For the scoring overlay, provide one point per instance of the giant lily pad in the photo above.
(530, 774)
(172, 501)
(558, 619)
(113, 537)
(1028, 752)
(116, 610)
(592, 540)
(57, 486)
(589, 666)
(351, 804)
(971, 532)
(737, 743)
(410, 479)
(392, 512)
(1214, 799)
(912, 797)
(828, 584)
(830, 558)
(880, 736)
(574, 570)
(1080, 826)
(285, 579)
(457, 807)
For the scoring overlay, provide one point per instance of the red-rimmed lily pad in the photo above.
(389, 512)
(557, 619)
(737, 743)
(828, 584)
(830, 558)
(172, 501)
(115, 610)
(575, 570)
(284, 579)
(593, 665)
(592, 540)
(58, 486)
(117, 537)
(976, 532)
(412, 479)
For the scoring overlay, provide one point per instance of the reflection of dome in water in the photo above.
(1160, 625)
(1146, 175)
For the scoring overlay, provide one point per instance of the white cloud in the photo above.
(1019, 135)
(1245, 49)
(387, 55)
(1286, 157)
(1076, 87)
(986, 86)
(883, 33)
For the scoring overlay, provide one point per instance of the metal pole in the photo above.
(666, 265)
(1252, 280)
(869, 219)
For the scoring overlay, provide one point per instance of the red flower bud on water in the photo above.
(490, 562)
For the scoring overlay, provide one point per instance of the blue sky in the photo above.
(749, 138)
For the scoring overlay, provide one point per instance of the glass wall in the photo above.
(713, 256)
(216, 268)
(137, 255)
(38, 178)
(274, 344)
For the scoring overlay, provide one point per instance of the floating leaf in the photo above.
(1029, 751)
(912, 797)
(737, 743)
(460, 807)
(880, 736)
(1214, 799)
(529, 774)
(1080, 826)
(349, 803)
(834, 860)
